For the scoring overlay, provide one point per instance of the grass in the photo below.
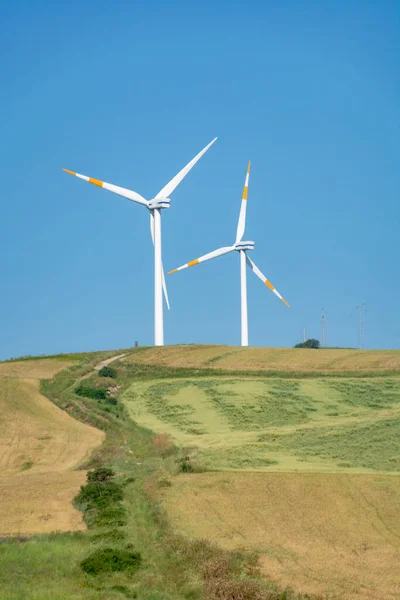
(373, 446)
(236, 423)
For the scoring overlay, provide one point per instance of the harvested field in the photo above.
(270, 359)
(33, 369)
(40, 503)
(325, 534)
(39, 445)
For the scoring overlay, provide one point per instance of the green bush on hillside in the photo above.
(311, 343)
(106, 560)
(97, 495)
(91, 392)
(101, 474)
(108, 372)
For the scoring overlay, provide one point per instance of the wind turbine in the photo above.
(155, 205)
(242, 247)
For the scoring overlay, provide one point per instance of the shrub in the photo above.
(185, 465)
(108, 372)
(114, 516)
(91, 392)
(106, 560)
(97, 495)
(310, 343)
(101, 474)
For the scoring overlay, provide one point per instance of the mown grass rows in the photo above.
(355, 444)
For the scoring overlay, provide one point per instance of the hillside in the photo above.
(290, 457)
(337, 535)
(39, 446)
(302, 360)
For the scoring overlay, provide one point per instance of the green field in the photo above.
(317, 424)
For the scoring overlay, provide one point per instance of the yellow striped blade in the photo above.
(261, 276)
(116, 189)
(242, 216)
(203, 258)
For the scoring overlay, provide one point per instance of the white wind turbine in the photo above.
(159, 202)
(241, 247)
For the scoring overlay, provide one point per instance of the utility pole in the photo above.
(304, 334)
(361, 307)
(323, 329)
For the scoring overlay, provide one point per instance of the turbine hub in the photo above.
(244, 246)
(159, 203)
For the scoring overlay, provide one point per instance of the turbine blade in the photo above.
(169, 188)
(261, 276)
(242, 216)
(205, 257)
(120, 191)
(164, 285)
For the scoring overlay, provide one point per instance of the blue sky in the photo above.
(129, 93)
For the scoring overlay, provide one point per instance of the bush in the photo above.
(91, 392)
(98, 495)
(101, 474)
(106, 560)
(108, 372)
(114, 516)
(311, 343)
(185, 465)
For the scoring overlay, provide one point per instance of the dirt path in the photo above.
(100, 365)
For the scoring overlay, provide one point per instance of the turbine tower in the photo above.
(242, 247)
(155, 206)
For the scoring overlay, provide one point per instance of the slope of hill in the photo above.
(270, 359)
(39, 446)
(321, 513)
(334, 535)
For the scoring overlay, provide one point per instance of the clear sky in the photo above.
(129, 92)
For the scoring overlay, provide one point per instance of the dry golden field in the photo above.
(33, 369)
(337, 535)
(39, 446)
(270, 359)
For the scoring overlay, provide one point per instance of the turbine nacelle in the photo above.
(159, 203)
(244, 246)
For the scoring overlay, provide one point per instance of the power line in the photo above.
(360, 308)
(323, 329)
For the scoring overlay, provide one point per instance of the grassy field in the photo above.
(271, 359)
(39, 446)
(317, 424)
(336, 535)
